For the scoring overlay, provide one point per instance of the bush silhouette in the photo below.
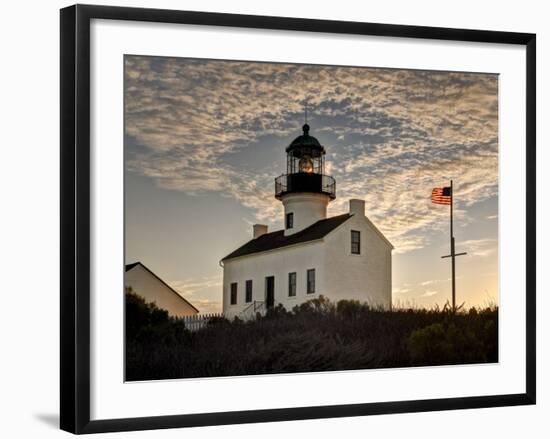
(141, 315)
(317, 335)
(431, 342)
(318, 305)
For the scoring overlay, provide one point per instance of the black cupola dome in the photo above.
(305, 140)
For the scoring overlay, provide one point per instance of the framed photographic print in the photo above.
(267, 219)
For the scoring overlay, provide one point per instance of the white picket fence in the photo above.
(199, 321)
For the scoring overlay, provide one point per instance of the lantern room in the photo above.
(305, 168)
(305, 154)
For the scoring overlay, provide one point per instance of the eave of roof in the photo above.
(379, 233)
(130, 266)
(277, 239)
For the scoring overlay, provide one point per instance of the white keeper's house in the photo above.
(341, 257)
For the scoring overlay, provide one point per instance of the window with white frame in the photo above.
(292, 284)
(355, 242)
(248, 291)
(233, 294)
(289, 220)
(311, 281)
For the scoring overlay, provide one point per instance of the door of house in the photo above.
(269, 292)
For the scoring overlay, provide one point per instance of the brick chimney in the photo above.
(259, 230)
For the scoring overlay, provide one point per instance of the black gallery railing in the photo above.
(305, 182)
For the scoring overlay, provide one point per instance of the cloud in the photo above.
(202, 292)
(430, 282)
(207, 306)
(480, 247)
(189, 287)
(429, 293)
(391, 135)
(436, 281)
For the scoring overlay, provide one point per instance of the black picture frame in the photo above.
(75, 217)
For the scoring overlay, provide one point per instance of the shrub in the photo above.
(428, 343)
(317, 335)
(351, 309)
(276, 312)
(448, 343)
(140, 314)
(318, 305)
(218, 321)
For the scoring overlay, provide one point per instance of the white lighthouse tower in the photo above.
(304, 190)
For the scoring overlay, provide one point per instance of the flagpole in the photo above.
(453, 253)
(441, 196)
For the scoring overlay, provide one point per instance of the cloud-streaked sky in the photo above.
(205, 138)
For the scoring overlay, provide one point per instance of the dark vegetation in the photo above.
(316, 336)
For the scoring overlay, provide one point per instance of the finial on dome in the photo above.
(306, 129)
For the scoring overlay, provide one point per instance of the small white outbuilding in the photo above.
(341, 257)
(152, 288)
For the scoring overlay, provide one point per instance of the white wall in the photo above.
(365, 277)
(307, 209)
(277, 263)
(152, 289)
(339, 274)
(30, 233)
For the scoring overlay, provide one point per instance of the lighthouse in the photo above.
(340, 257)
(305, 190)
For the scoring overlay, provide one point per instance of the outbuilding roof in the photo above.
(128, 267)
(274, 240)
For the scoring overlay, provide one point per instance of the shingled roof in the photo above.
(274, 240)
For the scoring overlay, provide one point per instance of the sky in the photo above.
(204, 140)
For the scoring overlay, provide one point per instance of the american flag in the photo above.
(442, 195)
